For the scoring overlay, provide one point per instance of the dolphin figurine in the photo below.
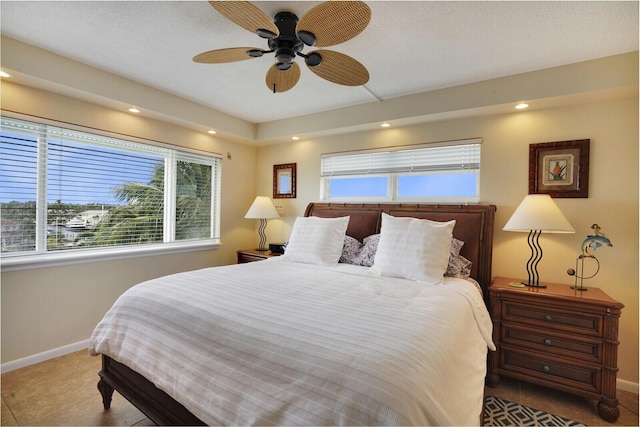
(595, 241)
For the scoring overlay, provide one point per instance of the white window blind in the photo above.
(18, 186)
(195, 192)
(63, 189)
(448, 156)
(117, 188)
(445, 172)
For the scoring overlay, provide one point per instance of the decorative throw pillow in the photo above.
(368, 250)
(415, 249)
(350, 250)
(456, 247)
(356, 253)
(459, 267)
(316, 240)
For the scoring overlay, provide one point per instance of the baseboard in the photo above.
(627, 386)
(45, 355)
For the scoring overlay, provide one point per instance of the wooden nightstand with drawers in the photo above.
(252, 255)
(557, 337)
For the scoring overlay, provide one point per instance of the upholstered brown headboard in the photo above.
(474, 226)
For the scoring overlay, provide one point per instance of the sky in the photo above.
(76, 173)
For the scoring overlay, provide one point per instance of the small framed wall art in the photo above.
(560, 169)
(284, 181)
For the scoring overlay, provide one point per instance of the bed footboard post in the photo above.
(107, 393)
(104, 386)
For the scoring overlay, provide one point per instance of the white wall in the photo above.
(48, 308)
(612, 127)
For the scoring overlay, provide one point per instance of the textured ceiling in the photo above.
(408, 47)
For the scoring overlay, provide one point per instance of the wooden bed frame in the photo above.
(474, 226)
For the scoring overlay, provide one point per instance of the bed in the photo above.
(285, 342)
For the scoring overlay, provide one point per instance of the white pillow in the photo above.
(316, 240)
(415, 249)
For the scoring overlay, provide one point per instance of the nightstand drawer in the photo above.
(253, 255)
(553, 318)
(242, 258)
(588, 349)
(576, 375)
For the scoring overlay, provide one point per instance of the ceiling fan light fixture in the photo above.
(307, 37)
(266, 34)
(285, 55)
(255, 53)
(284, 66)
(313, 59)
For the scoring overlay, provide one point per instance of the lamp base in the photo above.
(263, 239)
(578, 288)
(533, 285)
(533, 278)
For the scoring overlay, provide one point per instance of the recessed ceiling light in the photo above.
(385, 125)
(133, 110)
(3, 74)
(295, 138)
(212, 132)
(521, 106)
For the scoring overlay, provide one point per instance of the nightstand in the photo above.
(557, 337)
(251, 255)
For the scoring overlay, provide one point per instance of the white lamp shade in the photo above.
(538, 212)
(262, 207)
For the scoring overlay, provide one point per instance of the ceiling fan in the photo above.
(326, 24)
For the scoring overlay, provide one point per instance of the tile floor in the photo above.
(63, 391)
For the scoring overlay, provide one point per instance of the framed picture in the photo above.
(560, 169)
(284, 181)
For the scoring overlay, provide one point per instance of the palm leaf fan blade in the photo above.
(335, 22)
(220, 56)
(340, 69)
(245, 15)
(281, 81)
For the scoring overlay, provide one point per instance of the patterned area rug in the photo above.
(500, 412)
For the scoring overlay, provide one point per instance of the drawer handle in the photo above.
(548, 318)
(547, 341)
(546, 368)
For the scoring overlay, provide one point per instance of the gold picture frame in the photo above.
(560, 169)
(284, 181)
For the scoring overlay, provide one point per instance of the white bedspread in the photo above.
(280, 343)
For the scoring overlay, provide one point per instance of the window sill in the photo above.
(54, 259)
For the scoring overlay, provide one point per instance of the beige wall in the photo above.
(47, 308)
(612, 126)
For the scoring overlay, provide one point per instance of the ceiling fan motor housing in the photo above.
(286, 45)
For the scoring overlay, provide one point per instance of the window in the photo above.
(437, 172)
(64, 190)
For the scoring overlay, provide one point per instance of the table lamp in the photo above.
(536, 214)
(262, 208)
